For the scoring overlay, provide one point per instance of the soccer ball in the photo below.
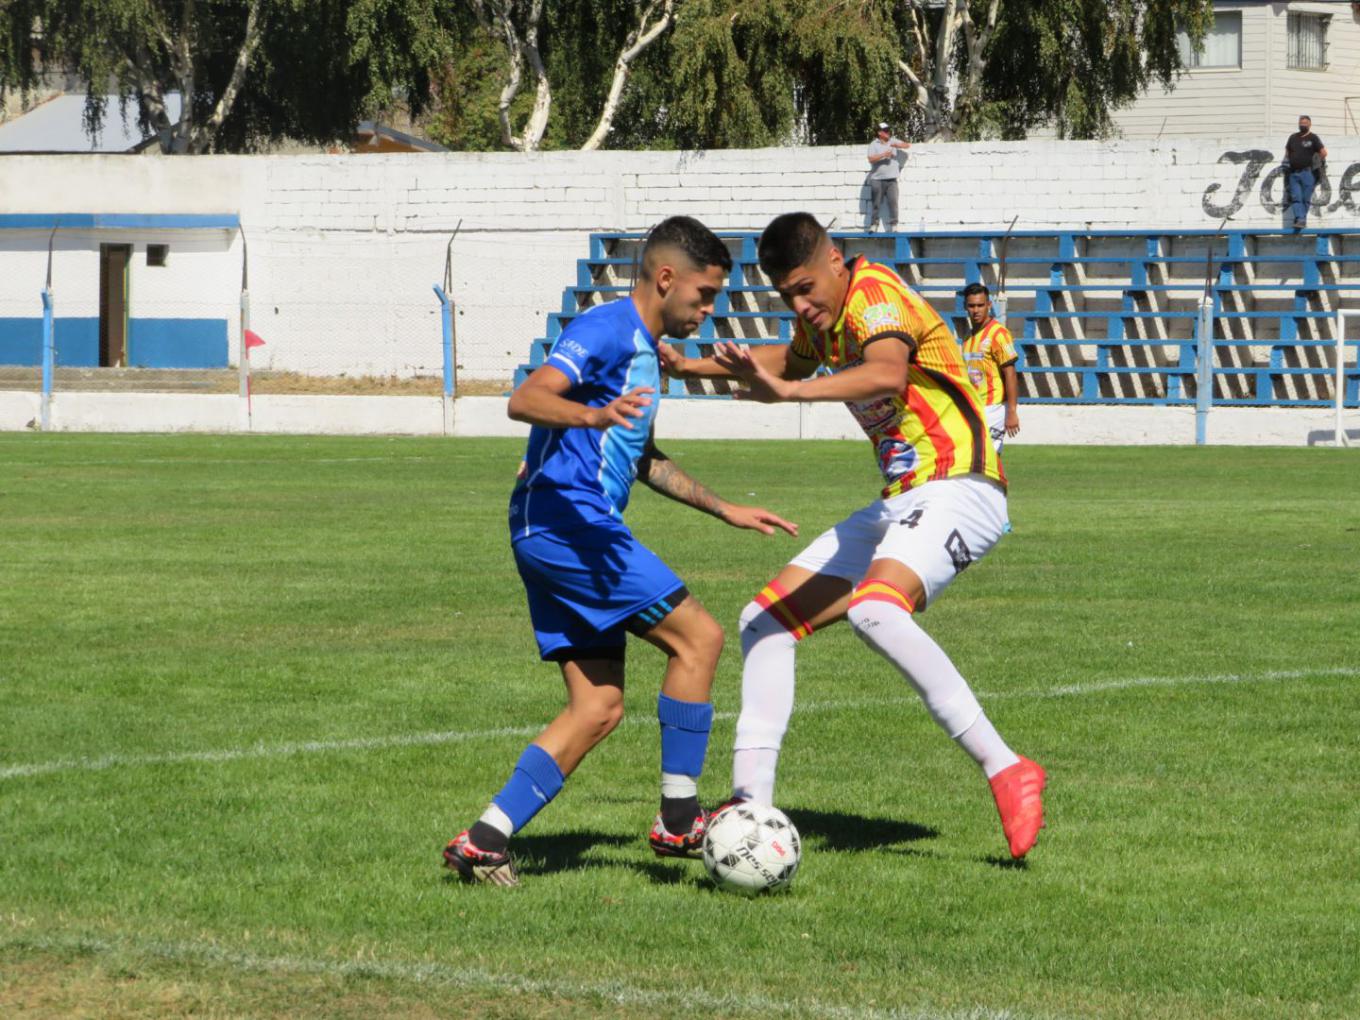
(751, 849)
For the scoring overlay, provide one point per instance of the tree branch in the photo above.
(202, 137)
(638, 40)
(538, 118)
(151, 96)
(926, 100)
(182, 59)
(501, 13)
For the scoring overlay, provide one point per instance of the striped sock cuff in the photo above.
(878, 590)
(775, 601)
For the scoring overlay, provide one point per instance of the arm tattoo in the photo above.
(659, 473)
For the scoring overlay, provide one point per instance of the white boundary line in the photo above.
(24, 771)
(441, 975)
(243, 461)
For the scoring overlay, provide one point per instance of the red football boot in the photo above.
(1019, 800)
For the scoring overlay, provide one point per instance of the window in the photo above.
(1308, 41)
(1222, 46)
(157, 254)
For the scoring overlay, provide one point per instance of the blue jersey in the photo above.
(577, 477)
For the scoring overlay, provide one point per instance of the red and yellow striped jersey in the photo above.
(933, 429)
(988, 350)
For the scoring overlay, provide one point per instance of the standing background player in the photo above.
(589, 581)
(899, 370)
(990, 353)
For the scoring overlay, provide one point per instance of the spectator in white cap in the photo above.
(883, 174)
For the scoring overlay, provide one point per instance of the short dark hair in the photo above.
(976, 288)
(699, 244)
(788, 242)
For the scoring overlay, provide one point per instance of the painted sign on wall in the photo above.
(1334, 191)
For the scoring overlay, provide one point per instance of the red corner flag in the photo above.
(253, 339)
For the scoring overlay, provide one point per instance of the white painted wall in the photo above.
(1211, 102)
(344, 251)
(679, 419)
(1264, 96)
(1319, 93)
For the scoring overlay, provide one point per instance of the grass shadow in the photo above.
(1006, 863)
(838, 830)
(664, 872)
(563, 851)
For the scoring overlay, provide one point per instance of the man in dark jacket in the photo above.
(1303, 155)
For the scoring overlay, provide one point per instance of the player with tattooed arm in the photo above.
(589, 581)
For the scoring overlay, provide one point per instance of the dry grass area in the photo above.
(48, 987)
(370, 385)
(143, 380)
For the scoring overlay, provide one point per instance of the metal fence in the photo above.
(1100, 317)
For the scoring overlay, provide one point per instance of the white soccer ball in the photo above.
(751, 849)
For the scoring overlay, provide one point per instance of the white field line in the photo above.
(86, 764)
(441, 975)
(243, 461)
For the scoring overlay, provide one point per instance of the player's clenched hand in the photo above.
(761, 384)
(756, 518)
(621, 410)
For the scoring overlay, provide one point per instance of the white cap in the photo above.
(883, 126)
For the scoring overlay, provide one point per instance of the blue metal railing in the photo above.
(1103, 316)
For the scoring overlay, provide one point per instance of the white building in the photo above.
(1263, 63)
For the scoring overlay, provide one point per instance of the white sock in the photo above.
(753, 771)
(675, 786)
(883, 621)
(498, 820)
(767, 681)
(986, 746)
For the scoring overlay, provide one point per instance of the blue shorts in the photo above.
(587, 588)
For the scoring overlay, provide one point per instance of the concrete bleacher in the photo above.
(1099, 316)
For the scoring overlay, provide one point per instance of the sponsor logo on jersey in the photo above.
(874, 415)
(880, 317)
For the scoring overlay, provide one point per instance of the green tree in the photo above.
(578, 56)
(726, 73)
(823, 71)
(247, 71)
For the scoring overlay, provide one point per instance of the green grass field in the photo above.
(251, 685)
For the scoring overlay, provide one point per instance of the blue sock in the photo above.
(535, 781)
(685, 726)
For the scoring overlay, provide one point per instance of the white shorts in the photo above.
(996, 424)
(936, 530)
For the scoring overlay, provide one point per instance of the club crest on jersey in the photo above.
(896, 457)
(881, 316)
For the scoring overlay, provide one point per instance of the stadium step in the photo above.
(1099, 316)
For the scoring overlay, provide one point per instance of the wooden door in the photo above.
(113, 304)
